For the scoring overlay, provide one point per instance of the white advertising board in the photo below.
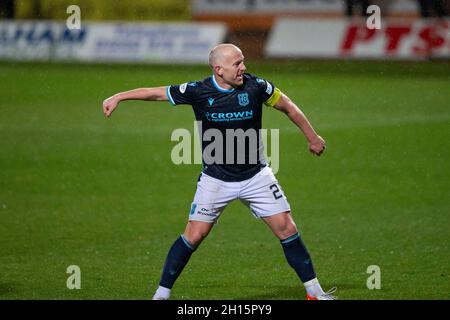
(418, 39)
(124, 42)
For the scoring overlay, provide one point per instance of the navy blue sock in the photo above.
(176, 260)
(298, 257)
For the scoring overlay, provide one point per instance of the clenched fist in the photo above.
(109, 105)
(317, 145)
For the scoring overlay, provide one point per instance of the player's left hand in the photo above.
(317, 145)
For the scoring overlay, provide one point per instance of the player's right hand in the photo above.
(109, 105)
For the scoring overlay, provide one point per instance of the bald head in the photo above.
(227, 63)
(220, 53)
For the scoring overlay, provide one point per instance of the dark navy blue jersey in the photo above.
(229, 123)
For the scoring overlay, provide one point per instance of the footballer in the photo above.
(231, 99)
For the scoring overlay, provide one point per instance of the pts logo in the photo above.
(404, 38)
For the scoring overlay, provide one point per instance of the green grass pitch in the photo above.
(103, 194)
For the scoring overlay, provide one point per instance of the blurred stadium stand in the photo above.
(95, 10)
(249, 22)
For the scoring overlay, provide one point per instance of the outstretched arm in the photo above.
(316, 143)
(149, 94)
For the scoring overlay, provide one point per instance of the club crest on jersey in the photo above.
(243, 99)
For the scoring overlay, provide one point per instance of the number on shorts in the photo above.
(276, 193)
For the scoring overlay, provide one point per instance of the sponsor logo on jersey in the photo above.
(229, 116)
(183, 87)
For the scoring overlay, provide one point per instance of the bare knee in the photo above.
(196, 231)
(195, 238)
(282, 225)
(288, 230)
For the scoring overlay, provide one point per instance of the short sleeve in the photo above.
(269, 93)
(182, 94)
